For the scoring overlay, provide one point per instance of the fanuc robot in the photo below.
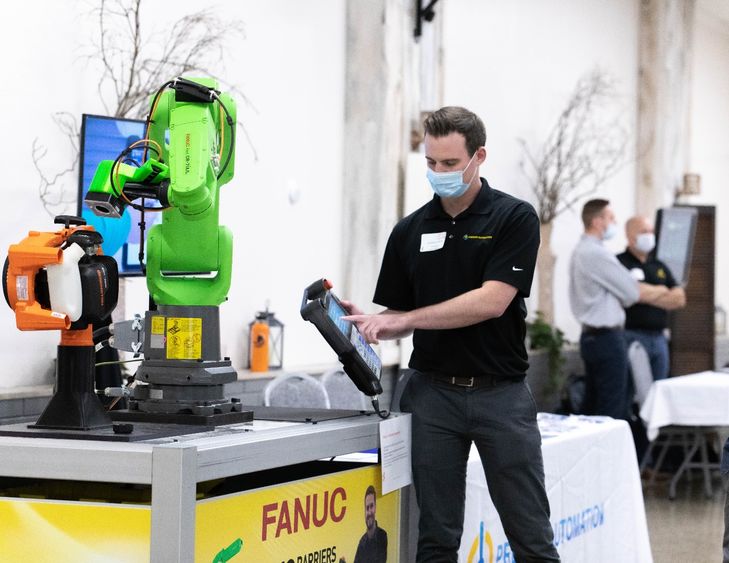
(189, 153)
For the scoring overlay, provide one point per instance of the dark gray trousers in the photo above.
(725, 545)
(725, 479)
(501, 421)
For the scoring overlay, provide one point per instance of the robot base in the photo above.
(183, 418)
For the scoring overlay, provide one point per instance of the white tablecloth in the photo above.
(594, 490)
(701, 399)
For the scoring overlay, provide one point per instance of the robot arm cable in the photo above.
(231, 127)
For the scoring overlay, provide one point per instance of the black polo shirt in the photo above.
(641, 316)
(431, 257)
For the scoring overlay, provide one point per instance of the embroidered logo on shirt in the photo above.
(661, 273)
(477, 237)
(517, 269)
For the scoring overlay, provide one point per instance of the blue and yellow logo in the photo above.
(483, 540)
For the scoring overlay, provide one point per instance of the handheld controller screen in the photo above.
(322, 308)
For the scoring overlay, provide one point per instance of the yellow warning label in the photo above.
(158, 324)
(184, 338)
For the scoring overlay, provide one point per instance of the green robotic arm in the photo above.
(191, 131)
(190, 141)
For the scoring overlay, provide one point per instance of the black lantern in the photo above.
(275, 347)
(269, 336)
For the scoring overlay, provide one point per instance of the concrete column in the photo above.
(383, 80)
(374, 126)
(664, 85)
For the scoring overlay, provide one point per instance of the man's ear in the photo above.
(481, 155)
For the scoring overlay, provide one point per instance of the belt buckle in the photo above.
(469, 384)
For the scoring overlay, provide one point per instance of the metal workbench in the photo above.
(173, 466)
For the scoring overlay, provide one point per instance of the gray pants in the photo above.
(501, 421)
(726, 520)
(725, 479)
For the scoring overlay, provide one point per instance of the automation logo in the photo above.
(482, 541)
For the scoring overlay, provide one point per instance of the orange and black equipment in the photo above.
(61, 281)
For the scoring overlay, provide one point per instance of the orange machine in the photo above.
(61, 281)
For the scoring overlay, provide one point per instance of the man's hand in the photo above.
(351, 308)
(649, 293)
(385, 326)
(486, 302)
(674, 299)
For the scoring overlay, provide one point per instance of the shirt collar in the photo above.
(480, 206)
(633, 256)
(592, 238)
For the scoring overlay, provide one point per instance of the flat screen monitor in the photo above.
(103, 138)
(675, 231)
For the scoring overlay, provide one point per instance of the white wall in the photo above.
(709, 154)
(290, 64)
(515, 64)
(37, 56)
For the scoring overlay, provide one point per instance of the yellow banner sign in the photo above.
(336, 518)
(339, 518)
(73, 532)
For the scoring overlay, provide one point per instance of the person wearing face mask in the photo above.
(645, 322)
(600, 287)
(455, 274)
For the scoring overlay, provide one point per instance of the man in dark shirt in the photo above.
(372, 546)
(643, 322)
(455, 274)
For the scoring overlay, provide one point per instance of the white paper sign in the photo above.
(395, 447)
(431, 241)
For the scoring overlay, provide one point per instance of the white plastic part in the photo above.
(64, 284)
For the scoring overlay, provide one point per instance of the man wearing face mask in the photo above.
(455, 273)
(644, 322)
(600, 288)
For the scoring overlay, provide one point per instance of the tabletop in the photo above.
(700, 399)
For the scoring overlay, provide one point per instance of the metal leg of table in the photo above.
(706, 467)
(698, 444)
(174, 483)
(684, 465)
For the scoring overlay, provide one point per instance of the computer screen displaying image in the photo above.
(103, 138)
(675, 232)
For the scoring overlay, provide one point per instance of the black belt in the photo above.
(587, 329)
(473, 382)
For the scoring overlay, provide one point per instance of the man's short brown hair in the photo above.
(455, 119)
(592, 209)
(371, 491)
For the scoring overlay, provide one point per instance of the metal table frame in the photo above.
(174, 466)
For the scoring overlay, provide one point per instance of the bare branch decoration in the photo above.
(583, 150)
(52, 186)
(132, 66)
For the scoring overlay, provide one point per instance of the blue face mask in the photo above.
(610, 231)
(450, 184)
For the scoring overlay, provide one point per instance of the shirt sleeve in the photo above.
(670, 280)
(515, 253)
(394, 289)
(605, 270)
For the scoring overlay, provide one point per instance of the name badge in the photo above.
(431, 241)
(637, 274)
